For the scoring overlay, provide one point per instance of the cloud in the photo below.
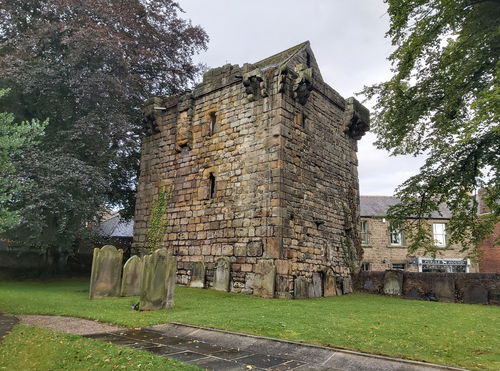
(348, 41)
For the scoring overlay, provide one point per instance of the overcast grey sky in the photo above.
(347, 38)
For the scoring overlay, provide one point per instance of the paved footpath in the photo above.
(227, 351)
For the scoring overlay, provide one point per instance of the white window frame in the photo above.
(439, 237)
(393, 232)
(364, 232)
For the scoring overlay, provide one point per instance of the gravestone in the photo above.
(301, 288)
(393, 283)
(444, 289)
(222, 274)
(197, 275)
(413, 294)
(106, 273)
(347, 285)
(158, 281)
(132, 275)
(315, 289)
(475, 294)
(265, 278)
(494, 296)
(330, 284)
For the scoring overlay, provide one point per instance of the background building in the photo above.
(386, 248)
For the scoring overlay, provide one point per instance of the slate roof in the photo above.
(116, 227)
(280, 57)
(378, 205)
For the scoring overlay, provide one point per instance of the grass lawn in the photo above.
(30, 348)
(453, 334)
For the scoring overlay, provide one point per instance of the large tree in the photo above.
(443, 101)
(87, 66)
(15, 138)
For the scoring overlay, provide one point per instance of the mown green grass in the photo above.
(453, 334)
(30, 348)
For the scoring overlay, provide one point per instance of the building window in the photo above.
(213, 123)
(396, 235)
(308, 60)
(211, 193)
(439, 234)
(364, 232)
(365, 267)
(400, 266)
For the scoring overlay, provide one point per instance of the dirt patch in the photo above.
(70, 325)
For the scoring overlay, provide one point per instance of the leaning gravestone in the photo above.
(264, 280)
(300, 290)
(444, 289)
(158, 281)
(222, 274)
(347, 285)
(315, 289)
(132, 275)
(330, 284)
(106, 272)
(393, 283)
(475, 294)
(197, 275)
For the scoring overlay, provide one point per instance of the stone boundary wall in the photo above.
(471, 288)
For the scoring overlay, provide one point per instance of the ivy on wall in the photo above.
(158, 222)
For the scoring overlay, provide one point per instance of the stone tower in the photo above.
(261, 161)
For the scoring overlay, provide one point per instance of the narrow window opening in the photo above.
(365, 267)
(304, 118)
(399, 266)
(308, 60)
(213, 123)
(212, 185)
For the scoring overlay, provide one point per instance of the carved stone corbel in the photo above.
(303, 84)
(151, 115)
(282, 77)
(255, 85)
(184, 132)
(357, 119)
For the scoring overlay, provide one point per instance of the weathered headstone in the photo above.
(132, 275)
(330, 284)
(444, 289)
(222, 274)
(106, 273)
(475, 294)
(315, 289)
(300, 288)
(494, 296)
(197, 275)
(265, 278)
(347, 285)
(393, 283)
(158, 281)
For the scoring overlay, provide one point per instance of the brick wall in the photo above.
(490, 253)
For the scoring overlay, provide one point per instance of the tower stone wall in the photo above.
(261, 160)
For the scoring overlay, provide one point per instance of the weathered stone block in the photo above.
(475, 294)
(158, 281)
(265, 277)
(222, 274)
(197, 275)
(132, 275)
(106, 273)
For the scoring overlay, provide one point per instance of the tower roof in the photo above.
(281, 57)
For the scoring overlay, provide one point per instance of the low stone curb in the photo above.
(401, 361)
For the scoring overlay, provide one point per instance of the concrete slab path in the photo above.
(227, 351)
(6, 324)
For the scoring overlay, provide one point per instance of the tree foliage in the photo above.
(87, 66)
(14, 139)
(443, 101)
